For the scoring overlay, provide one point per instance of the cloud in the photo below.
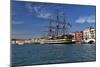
(29, 7)
(86, 19)
(43, 15)
(91, 19)
(42, 12)
(17, 22)
(81, 20)
(39, 11)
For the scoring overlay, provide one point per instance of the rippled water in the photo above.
(33, 54)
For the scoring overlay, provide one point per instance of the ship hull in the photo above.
(60, 43)
(57, 42)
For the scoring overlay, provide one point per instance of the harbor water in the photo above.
(33, 54)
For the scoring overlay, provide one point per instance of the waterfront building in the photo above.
(89, 34)
(73, 36)
(27, 41)
(77, 36)
(35, 40)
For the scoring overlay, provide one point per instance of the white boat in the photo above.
(58, 41)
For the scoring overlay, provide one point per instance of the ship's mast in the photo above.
(57, 26)
(63, 25)
(50, 27)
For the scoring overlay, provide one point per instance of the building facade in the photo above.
(89, 33)
(77, 36)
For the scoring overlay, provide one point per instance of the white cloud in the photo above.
(17, 22)
(81, 20)
(91, 19)
(44, 15)
(42, 12)
(38, 10)
(29, 7)
(86, 19)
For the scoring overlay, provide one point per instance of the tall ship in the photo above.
(57, 34)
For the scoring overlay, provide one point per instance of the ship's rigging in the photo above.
(60, 27)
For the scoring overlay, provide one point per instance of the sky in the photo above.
(31, 19)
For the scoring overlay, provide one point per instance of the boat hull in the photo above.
(57, 42)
